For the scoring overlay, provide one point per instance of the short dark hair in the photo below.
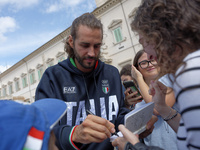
(86, 19)
(126, 70)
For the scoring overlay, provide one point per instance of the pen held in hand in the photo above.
(89, 112)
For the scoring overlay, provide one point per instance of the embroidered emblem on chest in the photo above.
(105, 86)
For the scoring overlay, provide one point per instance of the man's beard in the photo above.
(80, 60)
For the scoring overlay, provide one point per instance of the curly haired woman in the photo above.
(169, 31)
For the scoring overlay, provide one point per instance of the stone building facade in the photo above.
(119, 47)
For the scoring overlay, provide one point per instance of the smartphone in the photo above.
(131, 84)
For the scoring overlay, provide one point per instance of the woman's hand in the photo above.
(158, 92)
(131, 98)
(136, 73)
(128, 136)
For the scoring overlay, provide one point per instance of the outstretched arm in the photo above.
(144, 88)
(158, 90)
(132, 141)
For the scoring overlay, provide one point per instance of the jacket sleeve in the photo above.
(140, 146)
(63, 133)
(122, 110)
(45, 88)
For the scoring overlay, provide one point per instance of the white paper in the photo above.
(137, 119)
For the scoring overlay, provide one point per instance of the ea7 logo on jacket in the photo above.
(69, 90)
(105, 86)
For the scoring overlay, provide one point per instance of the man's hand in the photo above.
(93, 129)
(149, 127)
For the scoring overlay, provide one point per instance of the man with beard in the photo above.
(85, 83)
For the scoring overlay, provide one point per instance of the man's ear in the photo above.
(71, 41)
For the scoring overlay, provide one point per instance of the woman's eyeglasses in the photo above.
(145, 63)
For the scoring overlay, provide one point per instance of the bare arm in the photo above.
(158, 90)
(169, 97)
(144, 88)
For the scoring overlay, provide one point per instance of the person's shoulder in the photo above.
(58, 66)
(52, 68)
(108, 66)
(111, 69)
(194, 55)
(167, 80)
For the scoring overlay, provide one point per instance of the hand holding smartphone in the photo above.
(131, 84)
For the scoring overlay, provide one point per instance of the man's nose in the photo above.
(91, 52)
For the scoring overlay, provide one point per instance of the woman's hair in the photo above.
(86, 19)
(135, 62)
(137, 57)
(169, 24)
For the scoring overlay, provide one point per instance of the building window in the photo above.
(116, 28)
(24, 80)
(40, 70)
(17, 87)
(50, 62)
(4, 91)
(32, 78)
(118, 34)
(60, 56)
(10, 88)
(40, 73)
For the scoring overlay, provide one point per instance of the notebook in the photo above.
(137, 119)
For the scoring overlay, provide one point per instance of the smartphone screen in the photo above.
(130, 84)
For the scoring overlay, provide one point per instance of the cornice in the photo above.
(60, 54)
(106, 6)
(23, 75)
(133, 12)
(98, 11)
(16, 78)
(10, 82)
(39, 66)
(31, 70)
(114, 23)
(49, 60)
(54, 40)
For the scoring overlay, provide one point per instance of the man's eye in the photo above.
(97, 46)
(85, 46)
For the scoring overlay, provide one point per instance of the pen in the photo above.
(89, 112)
